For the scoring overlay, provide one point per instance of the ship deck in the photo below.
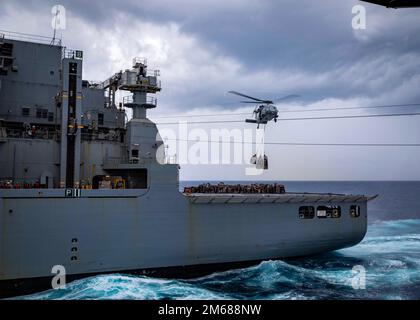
(203, 198)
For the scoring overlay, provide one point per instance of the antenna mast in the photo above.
(55, 25)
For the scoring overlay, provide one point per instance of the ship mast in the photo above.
(141, 138)
(140, 84)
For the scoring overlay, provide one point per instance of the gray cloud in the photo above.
(277, 36)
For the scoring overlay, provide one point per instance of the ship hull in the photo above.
(135, 231)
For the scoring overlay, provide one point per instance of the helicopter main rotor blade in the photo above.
(290, 96)
(245, 96)
(251, 102)
(256, 102)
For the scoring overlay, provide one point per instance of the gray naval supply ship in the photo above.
(82, 187)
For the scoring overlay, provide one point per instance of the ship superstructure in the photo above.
(83, 188)
(60, 131)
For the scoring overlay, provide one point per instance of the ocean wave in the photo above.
(118, 286)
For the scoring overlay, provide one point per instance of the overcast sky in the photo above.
(268, 49)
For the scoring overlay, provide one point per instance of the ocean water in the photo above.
(389, 256)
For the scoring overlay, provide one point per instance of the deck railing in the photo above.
(29, 37)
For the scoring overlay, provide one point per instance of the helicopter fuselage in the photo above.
(266, 113)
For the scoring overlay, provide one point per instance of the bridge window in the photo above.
(306, 212)
(354, 211)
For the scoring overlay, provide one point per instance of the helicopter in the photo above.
(265, 110)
